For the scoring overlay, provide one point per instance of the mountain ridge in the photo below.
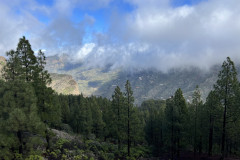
(146, 84)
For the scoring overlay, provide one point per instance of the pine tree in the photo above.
(171, 118)
(97, 121)
(41, 75)
(137, 127)
(23, 65)
(64, 108)
(12, 69)
(226, 88)
(48, 105)
(181, 119)
(76, 114)
(213, 107)
(197, 104)
(129, 103)
(87, 116)
(19, 119)
(80, 114)
(154, 118)
(106, 107)
(118, 116)
(27, 59)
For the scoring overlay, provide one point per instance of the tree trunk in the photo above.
(227, 146)
(118, 117)
(172, 138)
(20, 147)
(178, 144)
(47, 139)
(230, 148)
(210, 137)
(224, 131)
(195, 134)
(200, 145)
(118, 144)
(161, 138)
(128, 127)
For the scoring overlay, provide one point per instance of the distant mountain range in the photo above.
(75, 78)
(146, 84)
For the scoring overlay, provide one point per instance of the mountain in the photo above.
(146, 84)
(64, 83)
(2, 64)
(89, 79)
(153, 84)
(61, 83)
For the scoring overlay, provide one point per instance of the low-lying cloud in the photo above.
(154, 34)
(161, 36)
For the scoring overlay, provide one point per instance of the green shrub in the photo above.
(34, 157)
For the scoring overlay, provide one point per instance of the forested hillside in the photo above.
(38, 123)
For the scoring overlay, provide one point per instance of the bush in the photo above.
(34, 157)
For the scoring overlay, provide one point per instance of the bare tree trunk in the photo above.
(172, 138)
(20, 147)
(224, 131)
(210, 142)
(195, 134)
(128, 129)
(178, 144)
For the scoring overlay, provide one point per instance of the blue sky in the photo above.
(132, 33)
(102, 15)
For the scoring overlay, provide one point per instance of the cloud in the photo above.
(191, 35)
(57, 33)
(10, 30)
(61, 35)
(155, 34)
(85, 50)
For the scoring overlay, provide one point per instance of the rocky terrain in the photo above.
(64, 84)
(89, 79)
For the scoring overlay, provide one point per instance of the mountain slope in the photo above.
(89, 79)
(63, 83)
(146, 84)
(152, 84)
(2, 64)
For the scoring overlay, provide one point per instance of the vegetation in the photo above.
(37, 123)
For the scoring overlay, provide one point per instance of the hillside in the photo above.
(2, 64)
(152, 84)
(63, 83)
(89, 79)
(146, 84)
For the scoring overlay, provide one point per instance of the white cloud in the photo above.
(85, 50)
(60, 34)
(199, 35)
(153, 35)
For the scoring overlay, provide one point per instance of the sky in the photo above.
(161, 34)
